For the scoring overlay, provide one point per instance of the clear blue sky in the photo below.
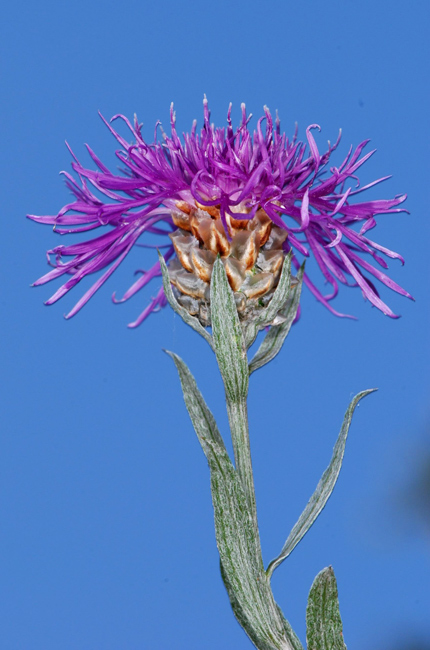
(107, 535)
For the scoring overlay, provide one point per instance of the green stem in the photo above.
(275, 631)
(238, 419)
(233, 492)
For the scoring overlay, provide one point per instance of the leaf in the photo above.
(239, 549)
(281, 294)
(203, 421)
(323, 490)
(323, 621)
(274, 339)
(267, 315)
(227, 336)
(192, 321)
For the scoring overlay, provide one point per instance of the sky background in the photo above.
(106, 535)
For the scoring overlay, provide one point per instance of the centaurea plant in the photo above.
(234, 213)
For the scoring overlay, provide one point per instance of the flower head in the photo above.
(224, 191)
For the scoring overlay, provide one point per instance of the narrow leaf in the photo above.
(227, 335)
(192, 321)
(203, 421)
(323, 621)
(267, 315)
(250, 330)
(275, 337)
(323, 490)
(241, 564)
(281, 294)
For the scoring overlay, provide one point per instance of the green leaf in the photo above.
(323, 621)
(267, 315)
(192, 321)
(274, 339)
(323, 490)
(201, 417)
(227, 335)
(241, 564)
(281, 294)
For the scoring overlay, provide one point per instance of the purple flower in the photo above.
(237, 172)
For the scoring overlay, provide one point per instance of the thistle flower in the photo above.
(249, 196)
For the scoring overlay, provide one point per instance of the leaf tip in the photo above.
(365, 393)
(169, 353)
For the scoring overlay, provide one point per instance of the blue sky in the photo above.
(107, 529)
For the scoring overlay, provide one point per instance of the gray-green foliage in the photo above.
(323, 621)
(227, 335)
(323, 490)
(241, 563)
(276, 304)
(230, 350)
(275, 337)
(192, 321)
(232, 487)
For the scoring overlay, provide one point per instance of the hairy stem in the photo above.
(238, 419)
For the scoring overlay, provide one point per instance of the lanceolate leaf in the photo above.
(323, 490)
(278, 301)
(227, 336)
(203, 421)
(241, 564)
(281, 294)
(183, 313)
(323, 621)
(275, 337)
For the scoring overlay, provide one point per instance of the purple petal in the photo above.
(222, 167)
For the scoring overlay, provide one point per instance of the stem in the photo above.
(238, 418)
(277, 633)
(233, 492)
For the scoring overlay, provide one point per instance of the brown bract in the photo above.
(252, 256)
